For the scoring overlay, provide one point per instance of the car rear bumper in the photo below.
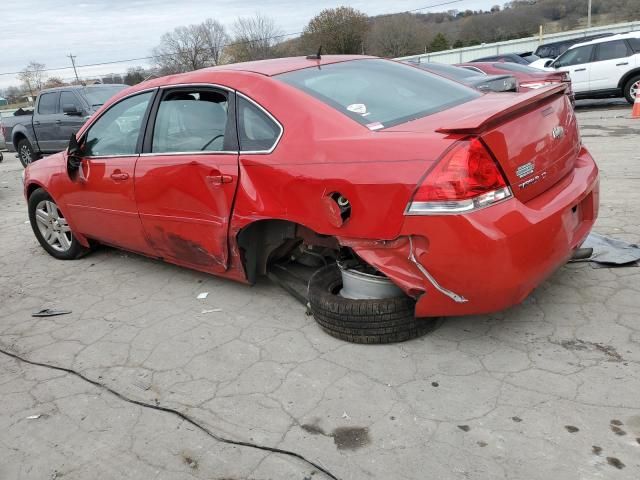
(493, 258)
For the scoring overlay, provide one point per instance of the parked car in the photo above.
(422, 196)
(605, 67)
(548, 51)
(523, 59)
(58, 113)
(476, 79)
(528, 78)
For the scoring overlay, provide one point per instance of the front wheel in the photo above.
(380, 320)
(51, 228)
(26, 153)
(631, 89)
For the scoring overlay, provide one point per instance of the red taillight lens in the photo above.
(466, 178)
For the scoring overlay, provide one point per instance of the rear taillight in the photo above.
(536, 85)
(465, 179)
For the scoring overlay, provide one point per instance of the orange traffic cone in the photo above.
(635, 113)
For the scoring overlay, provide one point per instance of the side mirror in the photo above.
(74, 155)
(71, 109)
(549, 63)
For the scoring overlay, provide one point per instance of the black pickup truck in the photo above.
(57, 114)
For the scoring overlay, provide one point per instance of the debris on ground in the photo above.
(49, 312)
(212, 310)
(202, 296)
(607, 252)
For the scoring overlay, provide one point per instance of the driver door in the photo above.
(577, 61)
(101, 197)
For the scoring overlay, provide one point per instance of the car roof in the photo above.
(276, 66)
(79, 87)
(620, 36)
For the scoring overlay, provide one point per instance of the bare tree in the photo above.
(33, 77)
(215, 38)
(338, 30)
(254, 38)
(395, 36)
(182, 50)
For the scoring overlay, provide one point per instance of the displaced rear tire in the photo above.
(631, 89)
(51, 228)
(386, 320)
(25, 152)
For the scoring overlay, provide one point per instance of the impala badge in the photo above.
(557, 132)
(525, 169)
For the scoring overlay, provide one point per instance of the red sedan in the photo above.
(529, 78)
(414, 195)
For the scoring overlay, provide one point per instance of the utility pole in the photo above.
(589, 16)
(73, 61)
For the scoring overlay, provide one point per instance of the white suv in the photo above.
(605, 67)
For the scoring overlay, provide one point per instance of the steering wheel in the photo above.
(211, 141)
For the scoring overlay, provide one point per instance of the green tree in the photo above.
(438, 43)
(339, 30)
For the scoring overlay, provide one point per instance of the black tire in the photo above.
(635, 80)
(25, 151)
(75, 249)
(386, 320)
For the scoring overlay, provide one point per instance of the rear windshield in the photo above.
(515, 67)
(97, 96)
(450, 71)
(379, 93)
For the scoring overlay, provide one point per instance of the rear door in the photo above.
(69, 122)
(44, 121)
(186, 179)
(577, 61)
(611, 61)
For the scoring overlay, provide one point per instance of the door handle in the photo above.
(620, 64)
(36, 122)
(219, 179)
(58, 122)
(580, 70)
(117, 175)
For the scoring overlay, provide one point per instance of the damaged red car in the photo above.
(404, 196)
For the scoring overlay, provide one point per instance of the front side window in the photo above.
(68, 98)
(256, 130)
(379, 93)
(612, 50)
(575, 56)
(191, 121)
(48, 103)
(116, 131)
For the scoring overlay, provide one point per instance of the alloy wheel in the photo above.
(25, 154)
(634, 89)
(53, 226)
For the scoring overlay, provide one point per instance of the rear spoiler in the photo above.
(491, 109)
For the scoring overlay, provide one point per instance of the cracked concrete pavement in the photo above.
(548, 389)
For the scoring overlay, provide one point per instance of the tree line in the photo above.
(345, 30)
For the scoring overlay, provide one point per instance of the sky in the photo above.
(95, 31)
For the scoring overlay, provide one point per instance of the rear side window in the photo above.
(635, 44)
(612, 50)
(257, 131)
(379, 93)
(191, 121)
(48, 103)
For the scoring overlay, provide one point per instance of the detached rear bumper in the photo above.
(492, 258)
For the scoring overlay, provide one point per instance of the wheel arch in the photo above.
(262, 240)
(627, 76)
(17, 137)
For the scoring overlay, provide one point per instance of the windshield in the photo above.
(97, 96)
(379, 93)
(450, 71)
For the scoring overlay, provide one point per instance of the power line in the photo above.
(150, 57)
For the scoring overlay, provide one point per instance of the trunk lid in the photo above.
(533, 136)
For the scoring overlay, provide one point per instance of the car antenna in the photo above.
(317, 56)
